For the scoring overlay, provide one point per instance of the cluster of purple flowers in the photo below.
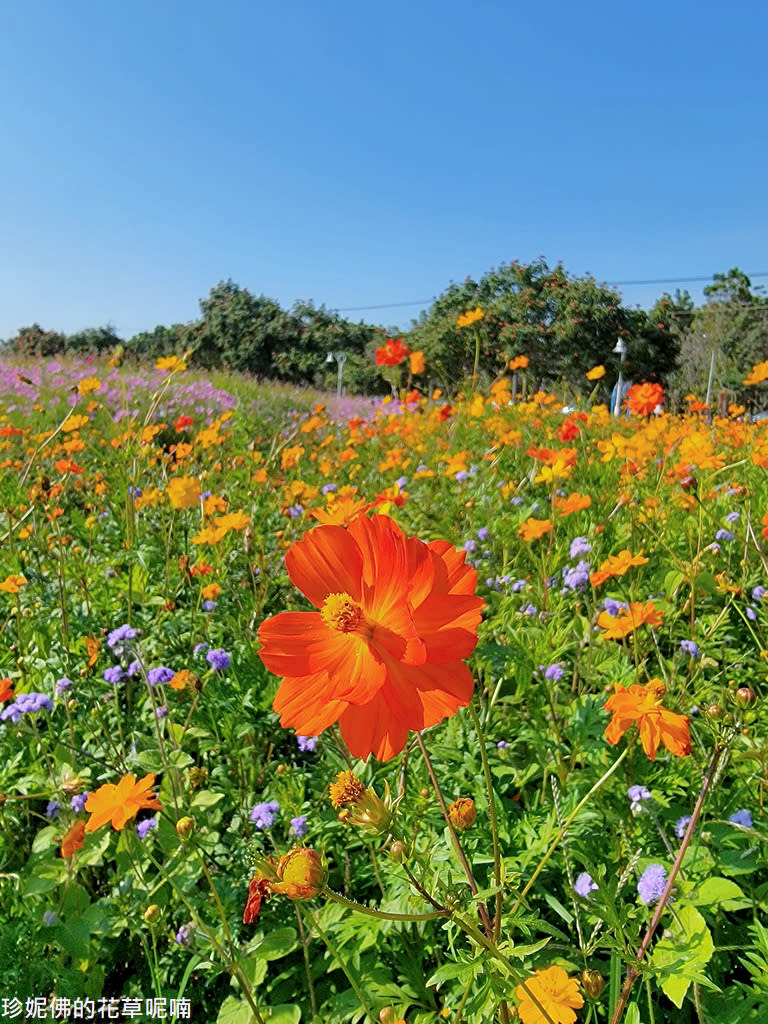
(218, 659)
(25, 704)
(576, 577)
(145, 826)
(636, 796)
(651, 884)
(263, 815)
(307, 744)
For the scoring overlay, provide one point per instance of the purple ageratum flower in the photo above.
(461, 476)
(134, 668)
(503, 744)
(307, 744)
(144, 827)
(113, 675)
(162, 711)
(53, 810)
(199, 649)
(751, 614)
(580, 546)
(160, 674)
(209, 606)
(25, 703)
(482, 533)
(263, 815)
(470, 545)
(77, 803)
(758, 593)
(299, 826)
(651, 884)
(327, 488)
(529, 610)
(519, 585)
(724, 535)
(218, 659)
(714, 548)
(681, 825)
(742, 817)
(62, 686)
(182, 935)
(553, 672)
(636, 796)
(584, 885)
(576, 577)
(120, 637)
(614, 607)
(733, 517)
(691, 648)
(295, 511)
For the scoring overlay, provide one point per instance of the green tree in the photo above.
(162, 341)
(35, 342)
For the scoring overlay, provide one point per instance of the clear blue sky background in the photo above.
(361, 154)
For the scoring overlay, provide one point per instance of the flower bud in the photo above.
(714, 711)
(151, 913)
(689, 484)
(398, 851)
(593, 983)
(185, 827)
(745, 696)
(462, 813)
(363, 806)
(302, 874)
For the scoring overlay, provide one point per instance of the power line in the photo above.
(660, 280)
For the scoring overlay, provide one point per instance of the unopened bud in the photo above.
(593, 983)
(714, 711)
(745, 696)
(462, 813)
(151, 913)
(185, 827)
(689, 484)
(398, 851)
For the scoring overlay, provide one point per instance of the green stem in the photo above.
(492, 817)
(566, 825)
(337, 956)
(382, 915)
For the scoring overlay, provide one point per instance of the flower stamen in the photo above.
(341, 613)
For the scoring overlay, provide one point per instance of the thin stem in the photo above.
(566, 825)
(337, 956)
(481, 909)
(385, 915)
(493, 819)
(633, 972)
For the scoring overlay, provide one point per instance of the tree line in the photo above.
(563, 326)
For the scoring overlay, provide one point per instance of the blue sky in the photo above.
(368, 154)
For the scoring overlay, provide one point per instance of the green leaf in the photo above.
(277, 944)
(235, 1011)
(719, 891)
(558, 907)
(678, 959)
(206, 798)
(285, 1013)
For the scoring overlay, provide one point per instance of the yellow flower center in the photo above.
(341, 613)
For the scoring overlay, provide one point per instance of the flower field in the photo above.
(434, 708)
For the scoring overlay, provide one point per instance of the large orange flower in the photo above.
(616, 565)
(642, 705)
(392, 352)
(383, 654)
(643, 398)
(120, 803)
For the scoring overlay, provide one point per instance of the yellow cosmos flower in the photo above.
(470, 318)
(416, 361)
(183, 491)
(557, 993)
(170, 363)
(89, 384)
(12, 584)
(596, 372)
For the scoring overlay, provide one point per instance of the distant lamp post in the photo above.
(620, 349)
(340, 358)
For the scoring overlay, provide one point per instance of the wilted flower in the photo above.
(462, 813)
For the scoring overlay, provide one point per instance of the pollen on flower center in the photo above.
(340, 612)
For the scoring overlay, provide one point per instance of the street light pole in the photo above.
(341, 358)
(621, 350)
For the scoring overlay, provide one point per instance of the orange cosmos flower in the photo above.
(618, 626)
(183, 491)
(757, 374)
(12, 584)
(596, 373)
(642, 705)
(518, 363)
(557, 993)
(383, 654)
(573, 503)
(342, 511)
(120, 803)
(532, 528)
(416, 362)
(6, 690)
(170, 363)
(74, 840)
(643, 398)
(392, 352)
(616, 565)
(470, 318)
